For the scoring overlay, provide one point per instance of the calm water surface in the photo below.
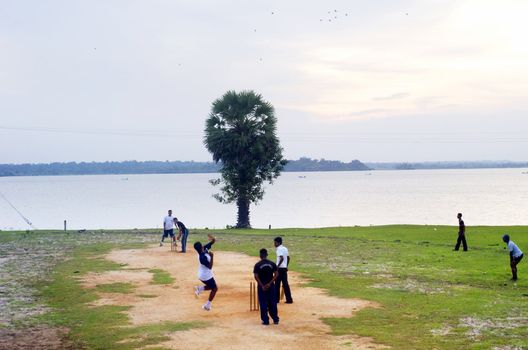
(485, 196)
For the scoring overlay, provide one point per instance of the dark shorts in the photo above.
(168, 233)
(210, 283)
(518, 259)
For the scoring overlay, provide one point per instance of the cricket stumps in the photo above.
(253, 297)
(174, 246)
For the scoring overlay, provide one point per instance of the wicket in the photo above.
(253, 297)
(174, 246)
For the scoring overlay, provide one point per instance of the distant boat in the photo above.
(302, 177)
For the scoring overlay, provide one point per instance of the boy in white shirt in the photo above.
(168, 227)
(516, 255)
(283, 260)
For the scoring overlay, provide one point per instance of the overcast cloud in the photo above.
(370, 80)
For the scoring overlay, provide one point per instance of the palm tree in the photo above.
(240, 134)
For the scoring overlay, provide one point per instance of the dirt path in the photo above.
(230, 323)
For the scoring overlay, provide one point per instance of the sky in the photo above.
(379, 80)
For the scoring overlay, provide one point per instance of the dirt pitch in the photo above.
(230, 324)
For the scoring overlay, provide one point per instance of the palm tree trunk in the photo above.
(243, 213)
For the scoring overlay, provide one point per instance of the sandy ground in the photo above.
(230, 324)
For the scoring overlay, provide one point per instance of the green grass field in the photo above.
(429, 296)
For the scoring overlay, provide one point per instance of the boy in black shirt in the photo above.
(461, 234)
(184, 233)
(265, 272)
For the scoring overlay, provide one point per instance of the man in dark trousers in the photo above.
(461, 234)
(283, 260)
(265, 273)
(184, 233)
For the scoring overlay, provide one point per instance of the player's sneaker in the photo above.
(161, 244)
(206, 307)
(196, 291)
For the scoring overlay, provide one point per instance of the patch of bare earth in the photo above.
(37, 338)
(230, 324)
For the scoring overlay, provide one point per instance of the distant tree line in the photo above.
(160, 167)
(93, 168)
(181, 167)
(308, 164)
(447, 165)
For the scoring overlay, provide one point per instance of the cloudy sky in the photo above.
(380, 80)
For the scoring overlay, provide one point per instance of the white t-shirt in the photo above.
(282, 251)
(168, 223)
(512, 247)
(204, 273)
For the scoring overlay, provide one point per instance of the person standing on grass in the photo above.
(265, 273)
(461, 234)
(283, 260)
(168, 227)
(516, 255)
(205, 271)
(182, 236)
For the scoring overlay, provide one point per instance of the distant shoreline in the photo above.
(160, 167)
(446, 165)
(190, 167)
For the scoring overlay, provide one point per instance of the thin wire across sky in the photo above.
(453, 137)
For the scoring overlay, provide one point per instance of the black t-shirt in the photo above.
(461, 227)
(265, 269)
(181, 226)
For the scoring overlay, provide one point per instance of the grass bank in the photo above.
(61, 302)
(430, 296)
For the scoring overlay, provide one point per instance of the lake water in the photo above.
(485, 196)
